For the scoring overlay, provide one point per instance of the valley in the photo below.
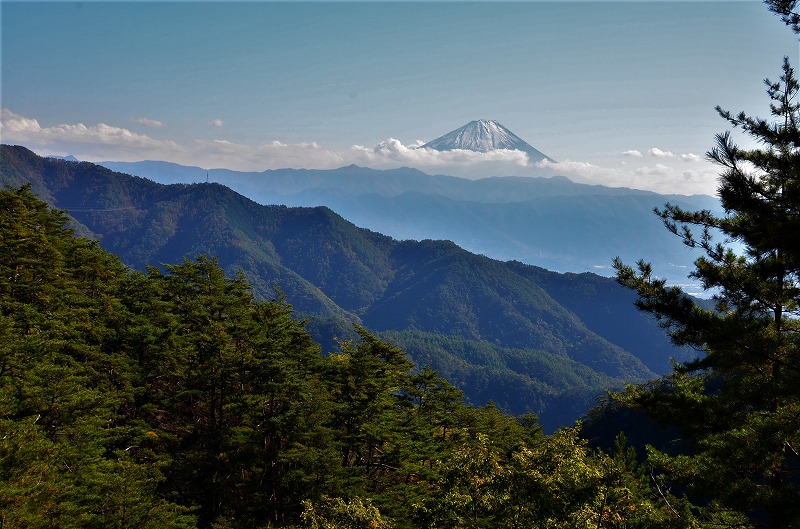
(560, 340)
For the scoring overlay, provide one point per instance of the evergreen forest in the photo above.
(174, 399)
(528, 339)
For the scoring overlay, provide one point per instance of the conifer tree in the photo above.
(367, 378)
(738, 402)
(233, 382)
(70, 453)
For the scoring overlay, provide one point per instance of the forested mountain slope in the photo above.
(172, 399)
(519, 325)
(549, 222)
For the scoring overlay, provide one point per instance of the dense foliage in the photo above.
(172, 398)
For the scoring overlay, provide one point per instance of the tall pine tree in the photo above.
(739, 402)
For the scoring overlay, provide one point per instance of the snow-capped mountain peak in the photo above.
(484, 135)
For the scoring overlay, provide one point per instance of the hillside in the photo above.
(173, 399)
(511, 328)
(549, 222)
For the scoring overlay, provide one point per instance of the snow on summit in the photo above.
(483, 136)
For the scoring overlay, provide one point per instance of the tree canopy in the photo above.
(173, 399)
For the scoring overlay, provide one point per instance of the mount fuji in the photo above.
(483, 136)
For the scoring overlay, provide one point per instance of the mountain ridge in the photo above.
(504, 217)
(337, 273)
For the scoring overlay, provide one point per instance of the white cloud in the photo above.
(660, 178)
(16, 124)
(663, 178)
(632, 152)
(658, 170)
(689, 157)
(78, 138)
(147, 122)
(273, 155)
(105, 142)
(216, 123)
(658, 153)
(391, 152)
(577, 170)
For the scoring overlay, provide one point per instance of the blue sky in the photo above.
(620, 93)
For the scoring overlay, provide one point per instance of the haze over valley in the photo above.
(549, 222)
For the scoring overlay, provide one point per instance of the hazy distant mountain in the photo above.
(550, 222)
(483, 136)
(526, 338)
(68, 158)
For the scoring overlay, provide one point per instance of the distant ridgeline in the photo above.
(549, 222)
(527, 339)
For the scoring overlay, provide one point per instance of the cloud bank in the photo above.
(104, 142)
(78, 138)
(684, 174)
(658, 153)
(147, 122)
